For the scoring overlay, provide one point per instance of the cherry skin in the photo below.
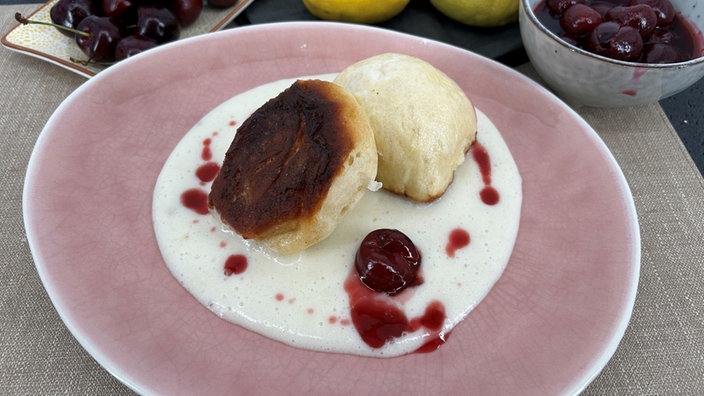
(157, 23)
(387, 261)
(602, 8)
(664, 10)
(132, 45)
(103, 35)
(614, 41)
(661, 53)
(579, 20)
(123, 10)
(70, 13)
(559, 6)
(186, 11)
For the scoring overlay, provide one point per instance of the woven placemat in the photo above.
(662, 351)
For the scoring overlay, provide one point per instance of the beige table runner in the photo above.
(661, 353)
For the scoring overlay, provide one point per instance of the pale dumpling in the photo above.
(422, 120)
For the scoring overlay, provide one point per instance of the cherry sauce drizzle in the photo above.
(457, 239)
(378, 319)
(488, 194)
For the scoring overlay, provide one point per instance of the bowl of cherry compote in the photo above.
(614, 53)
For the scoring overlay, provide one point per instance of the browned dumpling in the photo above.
(296, 166)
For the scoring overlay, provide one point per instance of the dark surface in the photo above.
(685, 110)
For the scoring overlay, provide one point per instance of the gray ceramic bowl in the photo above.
(583, 78)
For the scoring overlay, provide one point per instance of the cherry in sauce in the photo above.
(646, 31)
(387, 261)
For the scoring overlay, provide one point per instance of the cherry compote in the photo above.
(647, 31)
(387, 261)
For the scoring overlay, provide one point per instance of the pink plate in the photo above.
(548, 326)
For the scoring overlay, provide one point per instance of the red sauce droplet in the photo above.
(488, 194)
(206, 154)
(233, 123)
(458, 239)
(235, 264)
(207, 172)
(279, 297)
(196, 200)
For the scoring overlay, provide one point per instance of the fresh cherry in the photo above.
(579, 20)
(133, 45)
(387, 261)
(103, 35)
(639, 16)
(69, 13)
(124, 11)
(157, 23)
(186, 11)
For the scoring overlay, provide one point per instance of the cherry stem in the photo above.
(25, 21)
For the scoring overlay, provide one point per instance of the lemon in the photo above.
(356, 11)
(484, 13)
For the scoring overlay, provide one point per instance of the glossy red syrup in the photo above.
(196, 200)
(378, 319)
(235, 264)
(207, 172)
(457, 239)
(206, 154)
(433, 344)
(488, 194)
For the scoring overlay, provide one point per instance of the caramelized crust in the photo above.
(284, 159)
